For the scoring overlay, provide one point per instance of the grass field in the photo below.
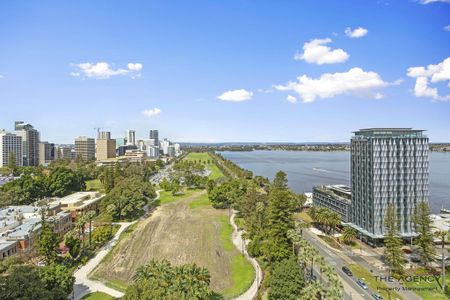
(200, 201)
(185, 230)
(94, 185)
(373, 284)
(204, 157)
(167, 197)
(429, 290)
(98, 296)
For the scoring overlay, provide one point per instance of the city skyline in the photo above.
(334, 69)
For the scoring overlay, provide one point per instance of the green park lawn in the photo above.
(242, 272)
(201, 201)
(205, 158)
(167, 197)
(369, 279)
(94, 185)
(98, 296)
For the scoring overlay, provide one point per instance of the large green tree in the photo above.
(57, 278)
(129, 197)
(280, 219)
(286, 280)
(63, 181)
(422, 224)
(393, 244)
(48, 240)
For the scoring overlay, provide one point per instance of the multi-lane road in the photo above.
(352, 289)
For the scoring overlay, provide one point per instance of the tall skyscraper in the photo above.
(30, 143)
(85, 148)
(47, 153)
(63, 152)
(388, 166)
(10, 148)
(131, 137)
(154, 135)
(106, 147)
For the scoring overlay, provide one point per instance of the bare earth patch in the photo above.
(179, 234)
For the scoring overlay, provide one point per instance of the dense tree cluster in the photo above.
(325, 218)
(128, 198)
(36, 183)
(161, 280)
(22, 281)
(229, 168)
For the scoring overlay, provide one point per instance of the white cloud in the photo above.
(356, 81)
(103, 70)
(236, 95)
(152, 112)
(291, 99)
(430, 74)
(433, 1)
(316, 52)
(447, 28)
(1, 76)
(355, 33)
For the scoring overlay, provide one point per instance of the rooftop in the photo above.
(390, 132)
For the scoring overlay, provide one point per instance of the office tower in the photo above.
(63, 152)
(106, 147)
(30, 143)
(47, 153)
(10, 148)
(154, 136)
(388, 166)
(151, 149)
(165, 146)
(85, 148)
(104, 135)
(177, 149)
(171, 151)
(131, 137)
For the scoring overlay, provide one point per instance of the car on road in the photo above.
(377, 296)
(362, 284)
(347, 271)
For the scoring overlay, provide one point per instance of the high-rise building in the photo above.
(106, 147)
(388, 166)
(165, 146)
(104, 135)
(47, 153)
(154, 135)
(10, 148)
(30, 143)
(151, 148)
(63, 152)
(131, 137)
(171, 151)
(85, 148)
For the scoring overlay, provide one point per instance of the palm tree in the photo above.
(349, 234)
(79, 224)
(443, 235)
(312, 291)
(89, 216)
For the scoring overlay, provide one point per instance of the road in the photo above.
(339, 259)
(353, 290)
(239, 244)
(83, 285)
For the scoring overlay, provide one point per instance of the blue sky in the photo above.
(70, 66)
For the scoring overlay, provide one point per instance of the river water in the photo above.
(306, 169)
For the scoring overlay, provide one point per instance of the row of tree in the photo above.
(161, 280)
(266, 212)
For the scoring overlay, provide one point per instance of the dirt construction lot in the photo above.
(181, 235)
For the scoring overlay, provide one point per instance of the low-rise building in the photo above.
(79, 203)
(335, 197)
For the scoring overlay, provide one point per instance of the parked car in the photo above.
(362, 284)
(377, 296)
(347, 271)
